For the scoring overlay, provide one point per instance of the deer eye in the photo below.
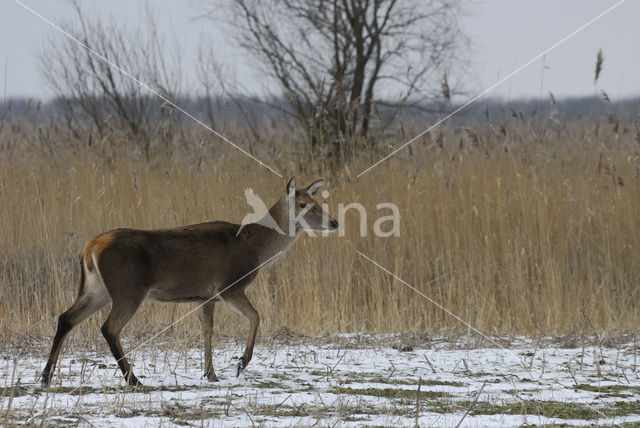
(303, 205)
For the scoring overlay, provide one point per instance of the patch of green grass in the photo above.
(607, 388)
(347, 413)
(425, 382)
(281, 376)
(269, 384)
(477, 374)
(354, 413)
(433, 382)
(614, 395)
(549, 409)
(389, 392)
(372, 377)
(555, 409)
(143, 389)
(71, 390)
(518, 391)
(624, 408)
(124, 414)
(13, 391)
(178, 413)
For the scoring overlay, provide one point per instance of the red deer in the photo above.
(201, 263)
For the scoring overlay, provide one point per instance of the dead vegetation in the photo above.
(521, 227)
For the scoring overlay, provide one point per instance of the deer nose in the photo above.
(334, 224)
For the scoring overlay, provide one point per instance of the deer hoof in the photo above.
(45, 380)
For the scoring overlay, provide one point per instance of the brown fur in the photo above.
(203, 263)
(96, 245)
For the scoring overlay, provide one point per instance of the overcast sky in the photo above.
(504, 33)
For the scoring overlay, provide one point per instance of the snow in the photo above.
(349, 380)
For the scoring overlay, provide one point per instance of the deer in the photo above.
(203, 263)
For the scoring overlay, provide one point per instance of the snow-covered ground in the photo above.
(341, 380)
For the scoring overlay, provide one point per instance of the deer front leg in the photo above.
(240, 303)
(205, 315)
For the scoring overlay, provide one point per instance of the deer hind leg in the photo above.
(239, 302)
(122, 311)
(205, 315)
(93, 297)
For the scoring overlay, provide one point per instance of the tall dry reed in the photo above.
(518, 230)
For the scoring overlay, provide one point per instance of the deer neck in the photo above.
(271, 234)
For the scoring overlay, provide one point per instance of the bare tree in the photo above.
(93, 91)
(336, 59)
(209, 71)
(214, 77)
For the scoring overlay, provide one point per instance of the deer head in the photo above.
(304, 212)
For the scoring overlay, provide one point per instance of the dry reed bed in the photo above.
(532, 232)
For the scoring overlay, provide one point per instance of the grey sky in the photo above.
(504, 34)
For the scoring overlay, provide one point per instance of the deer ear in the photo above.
(291, 187)
(313, 187)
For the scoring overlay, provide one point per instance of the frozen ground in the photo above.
(342, 380)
